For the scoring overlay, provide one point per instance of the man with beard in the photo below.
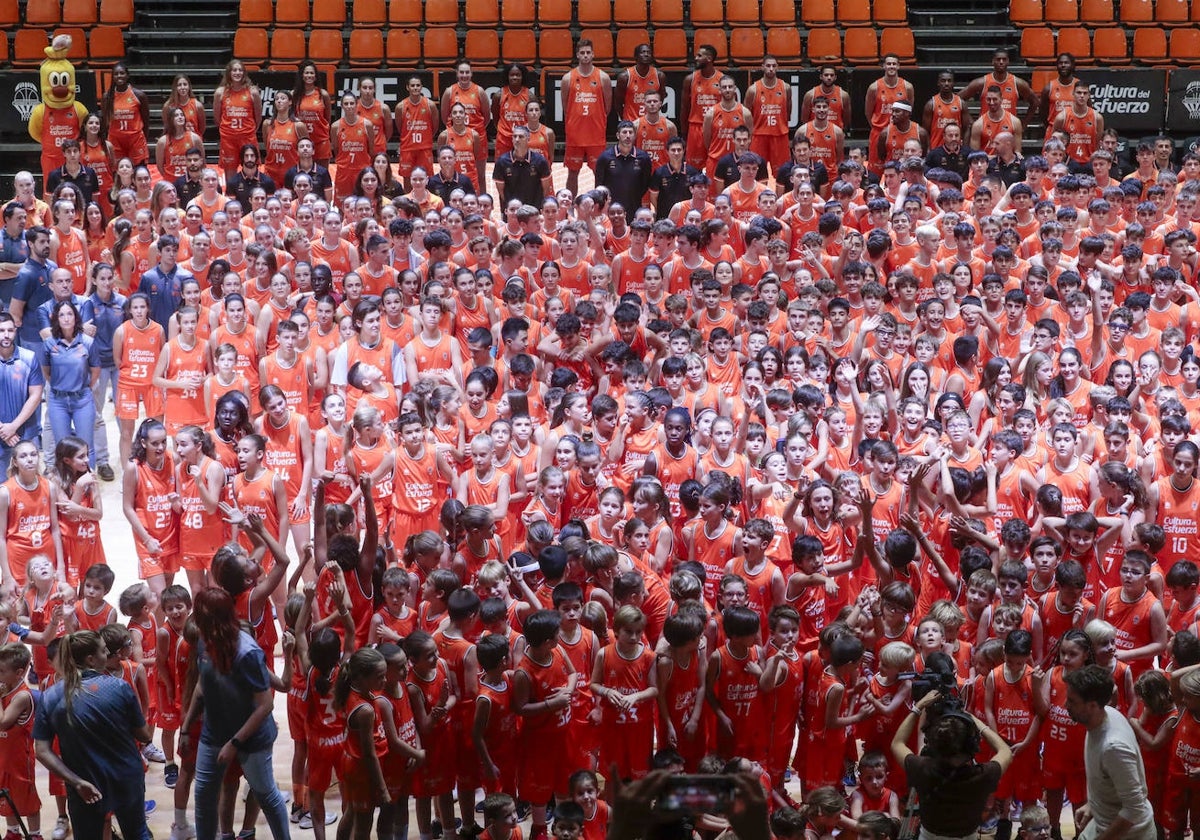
(188, 185)
(1117, 805)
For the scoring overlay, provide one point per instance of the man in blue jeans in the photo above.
(102, 312)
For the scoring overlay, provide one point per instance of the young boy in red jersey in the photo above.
(494, 730)
(543, 687)
(138, 603)
(1136, 614)
(782, 684)
(681, 689)
(830, 710)
(732, 688)
(456, 648)
(872, 793)
(1014, 708)
(173, 654)
(624, 680)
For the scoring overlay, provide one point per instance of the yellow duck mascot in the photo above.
(59, 117)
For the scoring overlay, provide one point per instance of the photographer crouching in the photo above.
(952, 788)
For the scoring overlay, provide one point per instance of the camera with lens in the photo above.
(940, 675)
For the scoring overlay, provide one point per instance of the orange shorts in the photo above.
(169, 716)
(1023, 778)
(196, 562)
(356, 783)
(229, 153)
(411, 160)
(163, 564)
(323, 761)
(19, 782)
(544, 769)
(132, 146)
(129, 396)
(577, 156)
(771, 148)
(696, 153)
(628, 746)
(297, 722)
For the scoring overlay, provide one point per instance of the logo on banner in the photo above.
(1110, 99)
(1191, 100)
(26, 96)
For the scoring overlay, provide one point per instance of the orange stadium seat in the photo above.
(602, 44)
(256, 12)
(898, 40)
(366, 47)
(10, 15)
(3, 47)
(1195, 16)
(43, 13)
(1150, 46)
(369, 12)
(627, 40)
(861, 46)
(715, 37)
(29, 47)
(403, 46)
(554, 14)
(593, 13)
(519, 45)
(818, 12)
(742, 14)
(326, 46)
(778, 13)
(116, 12)
(1171, 12)
(292, 13)
(482, 14)
(405, 13)
(1110, 45)
(671, 47)
(1185, 46)
(783, 40)
(854, 12)
(746, 45)
(555, 49)
(441, 12)
(79, 12)
(1026, 12)
(482, 46)
(1059, 12)
(518, 12)
(629, 14)
(440, 47)
(329, 13)
(288, 48)
(890, 12)
(250, 46)
(106, 45)
(707, 12)
(1137, 12)
(79, 46)
(824, 44)
(666, 12)
(1097, 12)
(1037, 45)
(1077, 41)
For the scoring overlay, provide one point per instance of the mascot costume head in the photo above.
(59, 117)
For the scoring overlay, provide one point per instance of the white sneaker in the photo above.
(305, 821)
(62, 827)
(150, 752)
(182, 832)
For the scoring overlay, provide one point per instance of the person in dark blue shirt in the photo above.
(32, 287)
(164, 283)
(21, 388)
(14, 250)
(98, 722)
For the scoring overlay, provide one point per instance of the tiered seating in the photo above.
(95, 27)
(1109, 32)
(544, 33)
